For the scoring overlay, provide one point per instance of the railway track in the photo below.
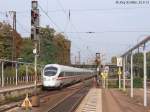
(70, 103)
(74, 93)
(12, 105)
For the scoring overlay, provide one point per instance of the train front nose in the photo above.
(50, 82)
(50, 77)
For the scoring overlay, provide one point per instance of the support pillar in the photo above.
(131, 75)
(124, 73)
(145, 78)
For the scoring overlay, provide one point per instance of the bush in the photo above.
(113, 84)
(137, 82)
(9, 72)
(22, 70)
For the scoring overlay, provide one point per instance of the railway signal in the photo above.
(35, 39)
(34, 21)
(104, 75)
(119, 71)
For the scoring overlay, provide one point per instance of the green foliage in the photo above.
(22, 70)
(113, 84)
(47, 33)
(137, 82)
(9, 72)
(27, 51)
(5, 46)
(52, 48)
(47, 48)
(138, 64)
(7, 38)
(47, 52)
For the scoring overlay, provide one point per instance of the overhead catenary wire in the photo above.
(50, 18)
(96, 10)
(22, 27)
(17, 22)
(82, 10)
(68, 14)
(5, 17)
(92, 32)
(70, 20)
(121, 31)
(52, 21)
(100, 32)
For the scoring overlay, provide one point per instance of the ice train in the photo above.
(55, 75)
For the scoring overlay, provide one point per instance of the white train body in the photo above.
(55, 75)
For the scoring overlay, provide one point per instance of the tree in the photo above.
(7, 35)
(27, 50)
(47, 49)
(64, 49)
(54, 48)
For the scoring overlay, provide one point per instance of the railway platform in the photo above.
(9, 94)
(18, 87)
(92, 101)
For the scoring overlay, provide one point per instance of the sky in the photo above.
(117, 27)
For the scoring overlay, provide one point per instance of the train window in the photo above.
(51, 68)
(66, 73)
(76, 73)
(61, 74)
(69, 73)
(50, 71)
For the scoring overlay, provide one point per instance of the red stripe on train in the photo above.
(61, 78)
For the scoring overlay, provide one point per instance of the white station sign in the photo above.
(119, 61)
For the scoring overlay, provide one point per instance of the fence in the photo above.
(18, 73)
(137, 83)
(114, 83)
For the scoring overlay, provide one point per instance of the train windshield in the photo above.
(50, 71)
